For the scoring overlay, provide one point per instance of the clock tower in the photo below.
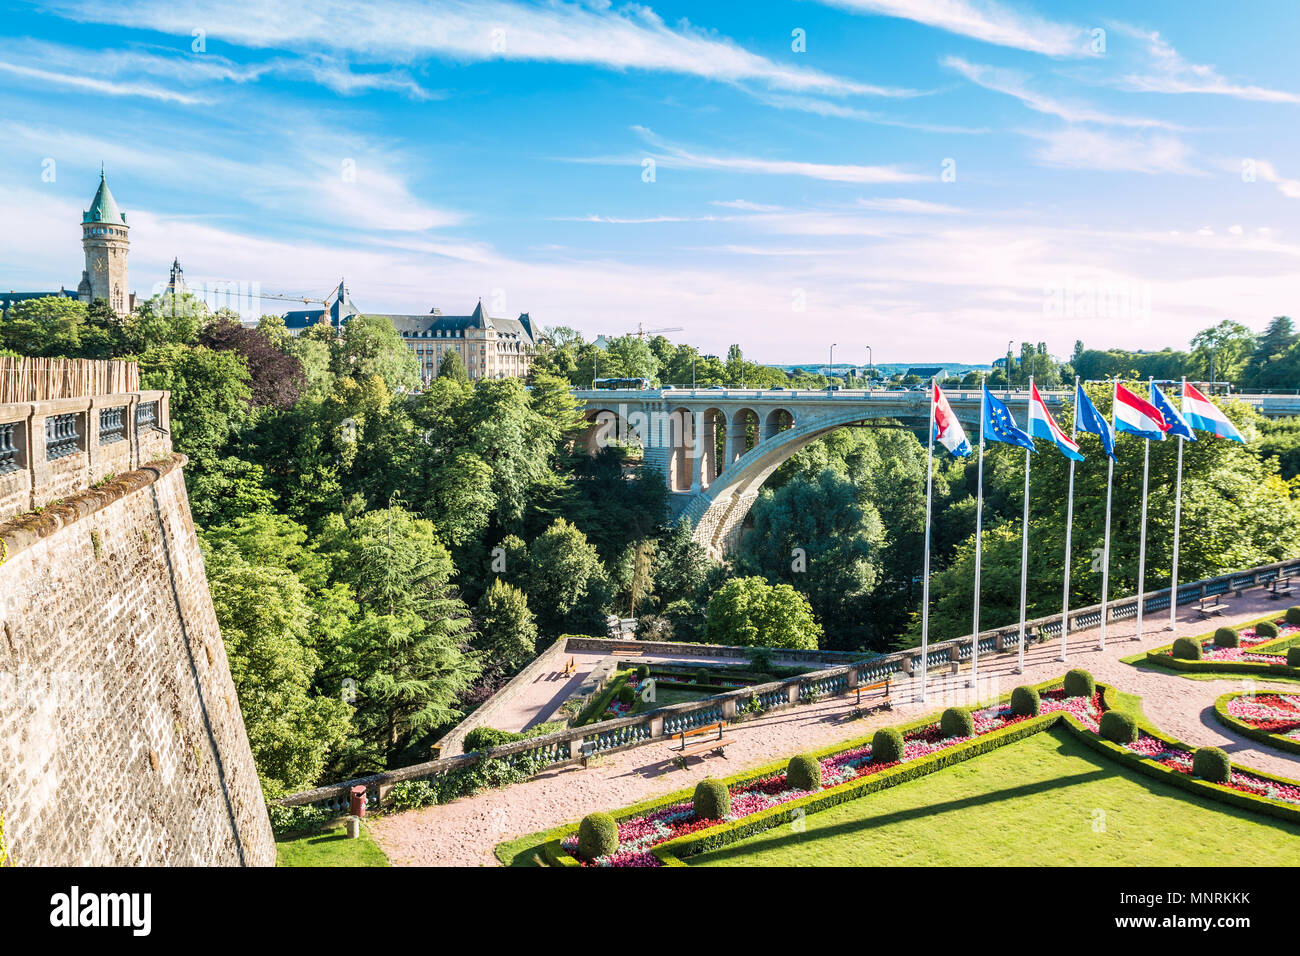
(104, 237)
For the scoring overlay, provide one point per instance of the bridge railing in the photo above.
(611, 736)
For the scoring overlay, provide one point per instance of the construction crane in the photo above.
(641, 332)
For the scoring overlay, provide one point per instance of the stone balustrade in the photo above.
(52, 449)
(611, 736)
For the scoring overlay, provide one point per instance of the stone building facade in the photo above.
(488, 346)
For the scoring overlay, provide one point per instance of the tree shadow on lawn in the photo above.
(755, 846)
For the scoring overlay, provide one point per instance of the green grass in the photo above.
(330, 848)
(670, 696)
(1048, 800)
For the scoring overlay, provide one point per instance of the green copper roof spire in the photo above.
(103, 208)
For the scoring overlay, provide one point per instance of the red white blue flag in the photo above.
(1203, 415)
(1043, 425)
(947, 430)
(1136, 416)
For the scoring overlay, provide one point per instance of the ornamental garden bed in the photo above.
(1270, 717)
(1249, 652)
(667, 831)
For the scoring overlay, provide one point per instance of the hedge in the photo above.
(712, 800)
(671, 852)
(597, 836)
(1187, 649)
(887, 746)
(1280, 741)
(804, 772)
(1266, 629)
(1117, 726)
(1293, 616)
(1211, 763)
(1079, 683)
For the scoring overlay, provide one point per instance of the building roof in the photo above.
(10, 299)
(925, 371)
(103, 208)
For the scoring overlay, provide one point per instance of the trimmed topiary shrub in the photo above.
(642, 672)
(626, 694)
(702, 676)
(804, 773)
(957, 722)
(1211, 763)
(1118, 727)
(712, 799)
(1025, 702)
(1266, 629)
(1187, 649)
(597, 836)
(1227, 637)
(1293, 616)
(887, 746)
(1293, 657)
(1079, 683)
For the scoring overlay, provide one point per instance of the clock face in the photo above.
(100, 265)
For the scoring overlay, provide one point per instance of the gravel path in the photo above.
(464, 832)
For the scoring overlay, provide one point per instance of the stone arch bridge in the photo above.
(716, 447)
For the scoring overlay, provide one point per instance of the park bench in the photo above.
(1277, 588)
(685, 751)
(1205, 610)
(570, 667)
(886, 704)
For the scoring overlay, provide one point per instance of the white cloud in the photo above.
(676, 156)
(95, 85)
(912, 206)
(630, 37)
(1014, 83)
(744, 205)
(981, 20)
(1077, 148)
(1265, 170)
(1170, 73)
(822, 107)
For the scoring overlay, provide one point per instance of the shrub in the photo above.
(1187, 649)
(702, 676)
(712, 799)
(1118, 727)
(1293, 657)
(1025, 702)
(1211, 763)
(764, 679)
(760, 659)
(412, 794)
(1266, 629)
(626, 694)
(597, 836)
(1079, 683)
(1227, 637)
(1293, 616)
(887, 746)
(485, 738)
(957, 722)
(642, 672)
(804, 773)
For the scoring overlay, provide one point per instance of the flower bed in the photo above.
(1255, 654)
(663, 832)
(1270, 717)
(639, 833)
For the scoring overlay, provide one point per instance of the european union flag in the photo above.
(1088, 419)
(1000, 426)
(1178, 428)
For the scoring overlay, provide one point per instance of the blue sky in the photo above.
(928, 177)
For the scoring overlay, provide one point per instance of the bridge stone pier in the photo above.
(716, 447)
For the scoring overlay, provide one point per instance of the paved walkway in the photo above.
(464, 832)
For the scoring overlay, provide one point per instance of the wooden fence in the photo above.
(25, 379)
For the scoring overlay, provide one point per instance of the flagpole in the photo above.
(1105, 547)
(979, 525)
(1142, 535)
(925, 588)
(1069, 528)
(1024, 553)
(1178, 509)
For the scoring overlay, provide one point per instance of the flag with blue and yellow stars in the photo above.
(1000, 426)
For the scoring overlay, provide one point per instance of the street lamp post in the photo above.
(1008, 368)
(831, 369)
(871, 367)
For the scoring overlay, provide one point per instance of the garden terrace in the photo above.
(566, 748)
(1272, 718)
(1263, 656)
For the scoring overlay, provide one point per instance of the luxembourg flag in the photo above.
(947, 430)
(1137, 416)
(1043, 425)
(1203, 415)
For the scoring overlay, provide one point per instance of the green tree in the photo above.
(51, 326)
(750, 612)
(370, 345)
(1221, 351)
(453, 367)
(507, 633)
(566, 582)
(209, 395)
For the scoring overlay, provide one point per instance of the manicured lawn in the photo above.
(330, 848)
(1047, 800)
(669, 696)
